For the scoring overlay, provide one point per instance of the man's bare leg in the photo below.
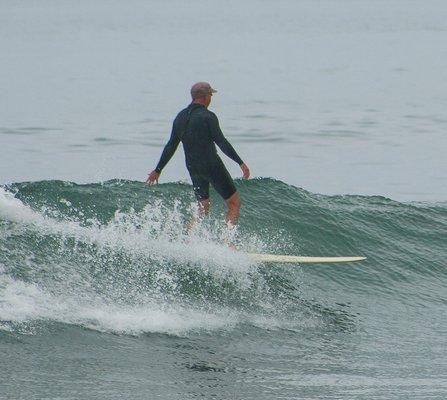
(232, 217)
(234, 206)
(203, 209)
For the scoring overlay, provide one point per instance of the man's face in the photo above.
(208, 99)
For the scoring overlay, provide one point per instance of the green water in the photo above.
(103, 295)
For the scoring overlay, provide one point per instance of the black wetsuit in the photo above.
(198, 129)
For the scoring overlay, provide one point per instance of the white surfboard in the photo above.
(279, 258)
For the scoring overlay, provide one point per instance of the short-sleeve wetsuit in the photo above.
(198, 129)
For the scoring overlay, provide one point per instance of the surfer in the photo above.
(198, 129)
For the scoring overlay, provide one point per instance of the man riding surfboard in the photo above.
(198, 129)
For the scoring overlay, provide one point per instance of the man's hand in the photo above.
(245, 171)
(153, 178)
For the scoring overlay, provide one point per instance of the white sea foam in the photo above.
(155, 233)
(152, 234)
(26, 303)
(14, 210)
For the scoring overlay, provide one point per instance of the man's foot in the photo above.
(232, 246)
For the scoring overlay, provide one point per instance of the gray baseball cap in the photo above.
(201, 89)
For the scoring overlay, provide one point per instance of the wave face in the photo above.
(102, 279)
(115, 257)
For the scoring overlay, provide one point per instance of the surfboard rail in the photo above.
(282, 258)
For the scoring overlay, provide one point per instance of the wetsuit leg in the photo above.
(201, 186)
(221, 180)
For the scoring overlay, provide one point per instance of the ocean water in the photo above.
(104, 296)
(338, 107)
(347, 96)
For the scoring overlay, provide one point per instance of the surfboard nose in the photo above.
(283, 258)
